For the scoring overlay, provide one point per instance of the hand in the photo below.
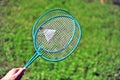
(14, 74)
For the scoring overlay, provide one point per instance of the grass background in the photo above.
(96, 58)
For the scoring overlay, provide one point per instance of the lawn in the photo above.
(97, 57)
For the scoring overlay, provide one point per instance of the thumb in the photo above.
(20, 71)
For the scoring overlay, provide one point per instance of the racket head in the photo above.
(69, 47)
(61, 37)
(67, 51)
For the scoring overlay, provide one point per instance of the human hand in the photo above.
(14, 74)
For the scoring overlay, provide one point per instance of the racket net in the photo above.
(66, 52)
(56, 34)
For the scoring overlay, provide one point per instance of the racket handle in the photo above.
(34, 57)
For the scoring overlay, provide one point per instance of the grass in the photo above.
(96, 58)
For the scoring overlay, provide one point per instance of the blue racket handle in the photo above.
(34, 57)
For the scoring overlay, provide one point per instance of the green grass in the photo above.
(96, 58)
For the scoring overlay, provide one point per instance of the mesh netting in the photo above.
(64, 53)
(56, 33)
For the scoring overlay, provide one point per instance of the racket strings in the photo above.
(64, 30)
(63, 53)
(47, 16)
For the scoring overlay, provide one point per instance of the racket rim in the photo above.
(80, 30)
(78, 41)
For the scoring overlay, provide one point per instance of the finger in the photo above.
(13, 71)
(20, 74)
(20, 71)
